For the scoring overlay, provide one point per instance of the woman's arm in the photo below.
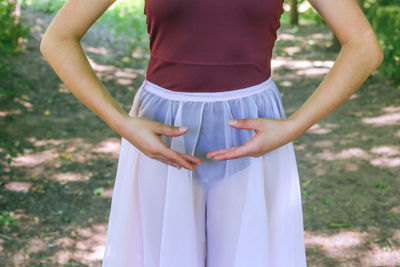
(359, 56)
(61, 48)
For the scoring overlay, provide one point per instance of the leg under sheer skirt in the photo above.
(244, 212)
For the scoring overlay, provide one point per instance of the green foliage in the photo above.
(11, 29)
(382, 186)
(64, 217)
(98, 191)
(46, 6)
(126, 19)
(384, 16)
(310, 14)
(11, 147)
(306, 13)
(338, 225)
(385, 19)
(6, 219)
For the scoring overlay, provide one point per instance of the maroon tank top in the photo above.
(211, 45)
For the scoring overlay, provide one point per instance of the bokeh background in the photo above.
(58, 160)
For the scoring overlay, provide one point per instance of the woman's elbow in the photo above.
(43, 45)
(376, 55)
(374, 50)
(372, 53)
(381, 55)
(368, 47)
(46, 43)
(53, 42)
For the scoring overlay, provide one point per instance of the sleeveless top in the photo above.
(211, 45)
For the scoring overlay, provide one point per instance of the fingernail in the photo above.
(232, 122)
(182, 129)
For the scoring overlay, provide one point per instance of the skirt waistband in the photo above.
(206, 96)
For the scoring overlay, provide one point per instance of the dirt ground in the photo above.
(59, 182)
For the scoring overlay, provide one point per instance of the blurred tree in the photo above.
(12, 32)
(384, 16)
(11, 29)
(294, 13)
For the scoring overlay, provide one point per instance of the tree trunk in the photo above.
(294, 14)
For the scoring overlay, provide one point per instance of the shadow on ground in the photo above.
(59, 160)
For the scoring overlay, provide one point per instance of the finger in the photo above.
(170, 130)
(191, 158)
(174, 164)
(167, 161)
(224, 151)
(233, 154)
(163, 160)
(177, 158)
(245, 123)
(248, 149)
(166, 154)
(216, 152)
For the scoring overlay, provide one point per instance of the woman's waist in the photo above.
(193, 78)
(243, 92)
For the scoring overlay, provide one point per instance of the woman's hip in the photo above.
(207, 114)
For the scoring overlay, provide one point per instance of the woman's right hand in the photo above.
(145, 133)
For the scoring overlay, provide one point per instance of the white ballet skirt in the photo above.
(244, 212)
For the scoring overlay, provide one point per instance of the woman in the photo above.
(236, 201)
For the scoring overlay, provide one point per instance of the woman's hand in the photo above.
(145, 133)
(269, 134)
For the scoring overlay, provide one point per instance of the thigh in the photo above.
(169, 211)
(254, 213)
(172, 212)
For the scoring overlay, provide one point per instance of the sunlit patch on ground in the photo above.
(391, 118)
(354, 248)
(86, 245)
(110, 146)
(18, 186)
(59, 182)
(339, 245)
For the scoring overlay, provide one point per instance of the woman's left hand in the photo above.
(269, 134)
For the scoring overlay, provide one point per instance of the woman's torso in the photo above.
(211, 45)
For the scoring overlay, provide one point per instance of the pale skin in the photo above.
(359, 56)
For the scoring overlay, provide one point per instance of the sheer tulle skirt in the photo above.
(244, 212)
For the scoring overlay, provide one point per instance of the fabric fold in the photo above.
(231, 213)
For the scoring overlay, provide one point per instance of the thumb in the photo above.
(244, 123)
(172, 130)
